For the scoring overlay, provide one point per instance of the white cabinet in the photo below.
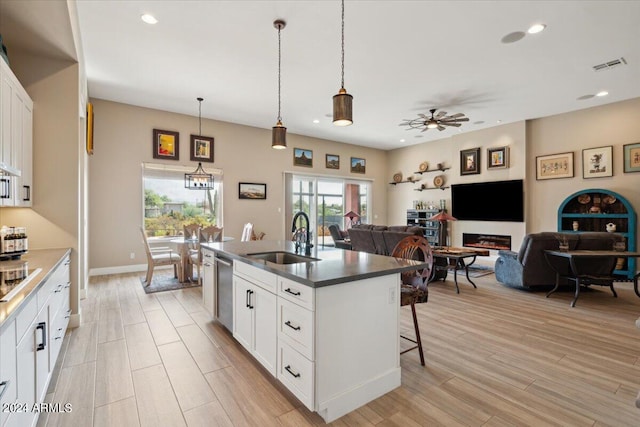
(16, 139)
(208, 282)
(254, 314)
(31, 351)
(7, 368)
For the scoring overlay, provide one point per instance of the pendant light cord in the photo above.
(342, 81)
(279, 60)
(200, 116)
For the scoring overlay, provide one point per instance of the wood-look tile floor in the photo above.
(494, 357)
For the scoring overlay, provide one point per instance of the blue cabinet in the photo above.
(594, 210)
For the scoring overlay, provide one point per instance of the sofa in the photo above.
(379, 239)
(528, 268)
(338, 237)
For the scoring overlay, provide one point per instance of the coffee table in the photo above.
(450, 258)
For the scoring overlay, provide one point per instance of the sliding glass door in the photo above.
(326, 200)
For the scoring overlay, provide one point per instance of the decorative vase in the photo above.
(576, 225)
(611, 227)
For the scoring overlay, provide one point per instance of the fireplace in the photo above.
(486, 241)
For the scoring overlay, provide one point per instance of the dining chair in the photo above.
(211, 234)
(160, 256)
(413, 287)
(247, 232)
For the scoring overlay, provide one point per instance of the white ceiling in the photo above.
(402, 58)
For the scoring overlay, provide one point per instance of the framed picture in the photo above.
(89, 128)
(358, 165)
(597, 162)
(252, 190)
(166, 144)
(498, 158)
(332, 161)
(201, 148)
(302, 157)
(554, 166)
(632, 157)
(470, 161)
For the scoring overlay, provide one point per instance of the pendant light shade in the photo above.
(279, 136)
(342, 102)
(279, 132)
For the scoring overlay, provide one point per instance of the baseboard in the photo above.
(117, 270)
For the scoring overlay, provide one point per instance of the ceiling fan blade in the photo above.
(452, 124)
(423, 116)
(425, 129)
(456, 115)
(441, 114)
(441, 128)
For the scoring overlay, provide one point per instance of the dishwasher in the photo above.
(224, 290)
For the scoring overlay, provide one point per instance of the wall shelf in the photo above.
(434, 170)
(404, 182)
(431, 188)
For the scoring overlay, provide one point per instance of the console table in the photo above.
(577, 276)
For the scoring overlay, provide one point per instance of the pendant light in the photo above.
(279, 132)
(342, 102)
(198, 179)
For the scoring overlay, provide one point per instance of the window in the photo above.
(168, 205)
(326, 200)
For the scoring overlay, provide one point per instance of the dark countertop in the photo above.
(45, 259)
(335, 265)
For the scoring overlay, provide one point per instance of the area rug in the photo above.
(165, 282)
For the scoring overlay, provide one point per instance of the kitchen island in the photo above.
(326, 325)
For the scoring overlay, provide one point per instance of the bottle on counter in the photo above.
(9, 242)
(18, 240)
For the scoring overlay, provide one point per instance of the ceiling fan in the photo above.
(436, 121)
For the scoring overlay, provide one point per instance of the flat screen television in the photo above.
(488, 201)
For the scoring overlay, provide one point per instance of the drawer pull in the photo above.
(296, 293)
(58, 289)
(43, 327)
(295, 328)
(288, 369)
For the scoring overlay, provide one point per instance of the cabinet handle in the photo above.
(295, 328)
(206, 264)
(250, 306)
(288, 369)
(207, 256)
(58, 289)
(5, 189)
(5, 386)
(67, 285)
(219, 261)
(246, 298)
(43, 327)
(296, 293)
(27, 193)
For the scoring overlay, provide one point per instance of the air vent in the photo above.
(610, 64)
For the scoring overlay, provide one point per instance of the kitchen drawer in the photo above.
(258, 276)
(297, 374)
(25, 317)
(297, 293)
(57, 330)
(295, 325)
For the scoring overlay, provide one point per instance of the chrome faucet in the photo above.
(303, 235)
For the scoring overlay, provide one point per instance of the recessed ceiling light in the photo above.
(602, 93)
(316, 121)
(402, 140)
(149, 19)
(536, 28)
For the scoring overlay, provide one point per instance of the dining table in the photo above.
(184, 248)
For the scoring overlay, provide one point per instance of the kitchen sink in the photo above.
(281, 257)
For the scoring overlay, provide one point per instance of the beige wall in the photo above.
(53, 221)
(613, 124)
(123, 137)
(406, 160)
